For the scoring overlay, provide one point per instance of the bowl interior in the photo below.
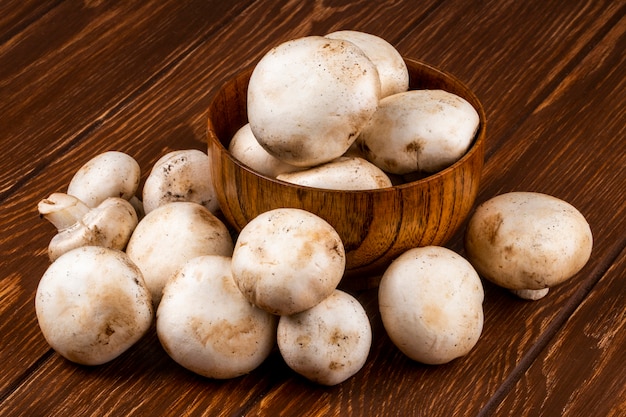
(375, 225)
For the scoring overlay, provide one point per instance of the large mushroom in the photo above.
(309, 98)
(92, 304)
(206, 324)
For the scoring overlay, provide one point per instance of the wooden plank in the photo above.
(581, 371)
(82, 61)
(169, 115)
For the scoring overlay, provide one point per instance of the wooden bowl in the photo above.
(376, 225)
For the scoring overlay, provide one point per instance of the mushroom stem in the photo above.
(62, 210)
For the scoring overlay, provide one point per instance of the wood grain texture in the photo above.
(59, 71)
(550, 76)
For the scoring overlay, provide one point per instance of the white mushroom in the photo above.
(527, 240)
(343, 173)
(246, 149)
(532, 295)
(392, 70)
(182, 175)
(92, 305)
(110, 224)
(172, 234)
(419, 130)
(309, 98)
(430, 302)
(287, 260)
(109, 174)
(327, 343)
(206, 325)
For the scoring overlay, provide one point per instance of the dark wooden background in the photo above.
(81, 77)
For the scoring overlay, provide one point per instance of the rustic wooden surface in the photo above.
(79, 78)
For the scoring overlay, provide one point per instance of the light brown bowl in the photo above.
(376, 225)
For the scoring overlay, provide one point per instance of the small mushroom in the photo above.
(287, 260)
(343, 173)
(109, 225)
(182, 175)
(329, 342)
(206, 324)
(109, 174)
(172, 234)
(309, 98)
(392, 70)
(430, 302)
(419, 131)
(92, 305)
(247, 150)
(527, 240)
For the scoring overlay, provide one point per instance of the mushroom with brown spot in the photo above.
(206, 324)
(181, 175)
(309, 98)
(329, 342)
(287, 260)
(92, 304)
(528, 241)
(419, 131)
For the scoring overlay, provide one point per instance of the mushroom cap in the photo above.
(172, 234)
(419, 131)
(92, 304)
(527, 240)
(287, 260)
(109, 174)
(248, 151)
(343, 173)
(327, 343)
(430, 302)
(181, 175)
(392, 70)
(206, 324)
(309, 98)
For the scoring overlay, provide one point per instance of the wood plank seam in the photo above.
(552, 330)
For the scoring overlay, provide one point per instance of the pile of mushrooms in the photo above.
(335, 112)
(123, 260)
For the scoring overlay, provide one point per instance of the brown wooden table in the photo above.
(79, 78)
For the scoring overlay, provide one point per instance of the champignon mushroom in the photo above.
(392, 70)
(109, 174)
(343, 173)
(287, 260)
(110, 224)
(182, 175)
(206, 325)
(247, 150)
(430, 302)
(172, 234)
(419, 131)
(92, 304)
(527, 240)
(329, 342)
(309, 98)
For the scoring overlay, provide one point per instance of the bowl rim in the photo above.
(477, 144)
